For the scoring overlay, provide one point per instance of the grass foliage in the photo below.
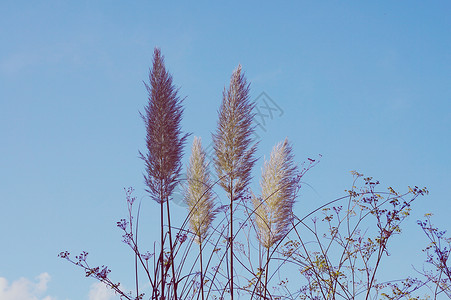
(255, 246)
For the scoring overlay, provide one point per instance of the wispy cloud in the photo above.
(25, 289)
(99, 291)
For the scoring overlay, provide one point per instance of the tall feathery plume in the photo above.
(232, 143)
(165, 142)
(273, 211)
(198, 195)
(199, 198)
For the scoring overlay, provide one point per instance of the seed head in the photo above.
(164, 139)
(198, 194)
(278, 186)
(232, 140)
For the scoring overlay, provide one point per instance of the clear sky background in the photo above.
(367, 84)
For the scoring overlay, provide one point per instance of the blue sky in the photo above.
(365, 84)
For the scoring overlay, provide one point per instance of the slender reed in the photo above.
(200, 200)
(232, 143)
(273, 211)
(164, 141)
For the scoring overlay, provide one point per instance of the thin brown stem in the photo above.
(174, 280)
(266, 272)
(231, 240)
(201, 272)
(162, 249)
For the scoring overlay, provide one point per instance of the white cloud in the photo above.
(25, 289)
(41, 286)
(100, 291)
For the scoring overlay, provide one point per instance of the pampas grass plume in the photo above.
(198, 194)
(274, 208)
